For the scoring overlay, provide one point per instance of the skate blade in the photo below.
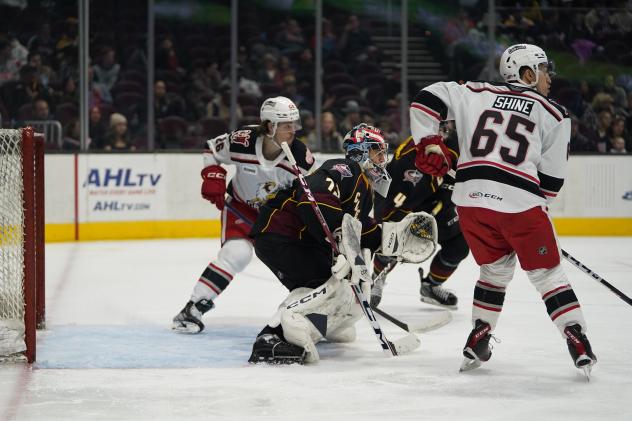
(470, 363)
(434, 302)
(184, 327)
(587, 369)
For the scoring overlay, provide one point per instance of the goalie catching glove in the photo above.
(433, 156)
(411, 240)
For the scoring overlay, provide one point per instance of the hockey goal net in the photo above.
(21, 242)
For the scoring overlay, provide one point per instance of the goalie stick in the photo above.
(400, 346)
(442, 319)
(596, 277)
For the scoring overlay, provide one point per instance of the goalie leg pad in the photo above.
(304, 315)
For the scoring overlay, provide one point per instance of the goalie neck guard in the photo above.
(365, 145)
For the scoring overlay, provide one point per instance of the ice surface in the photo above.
(108, 353)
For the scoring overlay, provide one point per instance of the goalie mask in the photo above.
(524, 55)
(365, 145)
(280, 110)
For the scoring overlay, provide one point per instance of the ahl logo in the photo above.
(413, 176)
(343, 169)
(542, 251)
(627, 195)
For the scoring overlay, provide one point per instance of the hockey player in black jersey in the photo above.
(290, 240)
(413, 191)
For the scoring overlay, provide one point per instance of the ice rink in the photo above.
(108, 352)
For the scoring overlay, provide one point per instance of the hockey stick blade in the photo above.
(406, 345)
(434, 323)
(442, 319)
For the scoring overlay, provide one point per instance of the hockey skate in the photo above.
(433, 293)
(477, 349)
(580, 349)
(189, 320)
(270, 349)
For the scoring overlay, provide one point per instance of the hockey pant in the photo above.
(552, 284)
(308, 316)
(232, 258)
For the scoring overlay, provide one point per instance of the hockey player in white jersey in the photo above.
(513, 141)
(261, 169)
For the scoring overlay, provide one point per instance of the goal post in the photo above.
(22, 304)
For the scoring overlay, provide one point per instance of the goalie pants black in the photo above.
(296, 263)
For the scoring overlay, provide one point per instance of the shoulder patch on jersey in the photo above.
(241, 137)
(559, 107)
(413, 176)
(343, 169)
(309, 158)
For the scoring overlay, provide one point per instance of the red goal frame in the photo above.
(34, 223)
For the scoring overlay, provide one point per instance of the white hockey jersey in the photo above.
(513, 142)
(256, 179)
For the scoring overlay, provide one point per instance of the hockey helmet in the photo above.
(523, 55)
(280, 110)
(365, 145)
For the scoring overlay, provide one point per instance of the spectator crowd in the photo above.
(39, 72)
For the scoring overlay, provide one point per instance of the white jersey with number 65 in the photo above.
(513, 142)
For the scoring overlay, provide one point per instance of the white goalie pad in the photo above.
(411, 240)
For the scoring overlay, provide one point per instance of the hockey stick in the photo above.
(403, 345)
(596, 277)
(443, 319)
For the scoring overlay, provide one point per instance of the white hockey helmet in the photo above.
(522, 55)
(280, 110)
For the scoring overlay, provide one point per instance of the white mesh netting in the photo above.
(11, 244)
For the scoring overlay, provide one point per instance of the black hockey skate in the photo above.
(580, 349)
(189, 320)
(477, 349)
(270, 349)
(433, 293)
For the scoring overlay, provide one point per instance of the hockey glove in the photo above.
(214, 185)
(411, 240)
(432, 156)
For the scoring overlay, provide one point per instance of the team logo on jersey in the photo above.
(241, 137)
(511, 103)
(413, 176)
(543, 251)
(265, 192)
(343, 169)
